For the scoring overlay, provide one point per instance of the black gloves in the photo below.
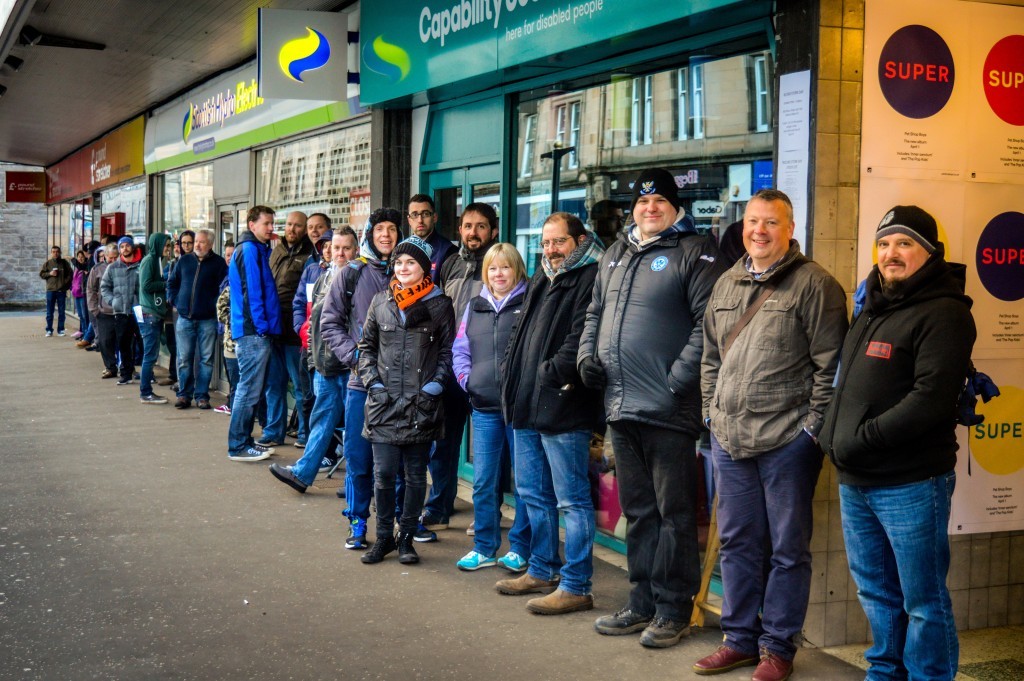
(592, 373)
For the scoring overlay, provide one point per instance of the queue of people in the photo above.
(393, 339)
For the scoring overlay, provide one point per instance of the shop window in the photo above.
(761, 93)
(320, 174)
(529, 142)
(188, 199)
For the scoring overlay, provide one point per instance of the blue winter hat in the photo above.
(125, 240)
(416, 247)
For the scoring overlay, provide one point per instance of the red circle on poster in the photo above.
(1004, 79)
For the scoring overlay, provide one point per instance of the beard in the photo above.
(893, 289)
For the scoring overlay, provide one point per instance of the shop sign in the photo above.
(227, 114)
(24, 187)
(302, 55)
(704, 210)
(410, 46)
(112, 159)
(764, 176)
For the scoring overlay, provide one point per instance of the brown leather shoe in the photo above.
(203, 404)
(83, 343)
(772, 668)
(559, 602)
(722, 660)
(526, 584)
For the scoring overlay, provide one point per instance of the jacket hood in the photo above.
(154, 253)
(498, 305)
(369, 252)
(936, 279)
(684, 224)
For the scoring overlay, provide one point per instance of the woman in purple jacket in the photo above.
(477, 354)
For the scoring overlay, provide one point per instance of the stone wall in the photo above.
(23, 250)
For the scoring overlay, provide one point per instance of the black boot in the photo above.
(382, 547)
(406, 552)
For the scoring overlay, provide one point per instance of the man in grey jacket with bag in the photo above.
(772, 333)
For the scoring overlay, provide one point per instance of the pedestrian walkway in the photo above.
(131, 548)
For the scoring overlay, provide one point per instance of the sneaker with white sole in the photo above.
(513, 562)
(152, 398)
(49, 334)
(474, 561)
(357, 536)
(62, 333)
(326, 464)
(262, 448)
(423, 535)
(223, 409)
(126, 380)
(250, 454)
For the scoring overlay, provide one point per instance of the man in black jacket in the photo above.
(890, 431)
(192, 287)
(660, 268)
(553, 415)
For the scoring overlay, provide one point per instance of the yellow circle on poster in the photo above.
(998, 443)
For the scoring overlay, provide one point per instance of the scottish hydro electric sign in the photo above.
(302, 55)
(410, 46)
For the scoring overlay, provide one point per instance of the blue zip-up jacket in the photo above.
(315, 266)
(442, 249)
(254, 305)
(193, 285)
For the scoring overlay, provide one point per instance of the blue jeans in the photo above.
(150, 330)
(60, 299)
(551, 474)
(491, 440)
(358, 458)
(765, 514)
(231, 366)
(898, 549)
(284, 366)
(83, 314)
(253, 356)
(325, 417)
(444, 457)
(191, 335)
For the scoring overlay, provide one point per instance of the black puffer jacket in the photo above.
(645, 324)
(892, 420)
(540, 388)
(404, 356)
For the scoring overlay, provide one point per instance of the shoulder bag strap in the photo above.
(769, 288)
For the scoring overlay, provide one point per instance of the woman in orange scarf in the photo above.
(405, 357)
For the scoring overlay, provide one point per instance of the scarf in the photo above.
(406, 297)
(136, 256)
(587, 253)
(683, 225)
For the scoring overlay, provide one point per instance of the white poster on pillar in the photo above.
(989, 494)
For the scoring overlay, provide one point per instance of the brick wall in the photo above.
(22, 251)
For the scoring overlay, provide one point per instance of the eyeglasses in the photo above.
(425, 214)
(554, 242)
(186, 243)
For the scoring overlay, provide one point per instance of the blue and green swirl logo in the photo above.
(304, 54)
(186, 125)
(390, 61)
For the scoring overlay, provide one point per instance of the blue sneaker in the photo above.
(474, 561)
(357, 535)
(424, 535)
(513, 562)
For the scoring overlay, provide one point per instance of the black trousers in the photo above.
(386, 462)
(125, 331)
(656, 470)
(103, 324)
(172, 349)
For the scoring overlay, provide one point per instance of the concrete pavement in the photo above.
(131, 548)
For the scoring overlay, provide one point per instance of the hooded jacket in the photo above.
(286, 264)
(93, 300)
(646, 325)
(403, 353)
(480, 344)
(894, 415)
(193, 285)
(119, 287)
(462, 275)
(776, 380)
(348, 302)
(314, 267)
(540, 386)
(152, 285)
(254, 304)
(320, 356)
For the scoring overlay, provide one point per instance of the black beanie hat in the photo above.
(655, 181)
(416, 247)
(912, 221)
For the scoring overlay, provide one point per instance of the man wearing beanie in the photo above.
(344, 312)
(650, 377)
(119, 289)
(461, 275)
(772, 332)
(890, 431)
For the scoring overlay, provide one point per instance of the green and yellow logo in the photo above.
(390, 61)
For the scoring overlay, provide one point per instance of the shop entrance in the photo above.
(455, 189)
(230, 223)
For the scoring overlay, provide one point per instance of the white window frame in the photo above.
(762, 96)
(642, 111)
(683, 104)
(648, 109)
(575, 109)
(529, 141)
(697, 100)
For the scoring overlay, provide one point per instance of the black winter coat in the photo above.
(646, 326)
(540, 388)
(488, 333)
(892, 420)
(404, 356)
